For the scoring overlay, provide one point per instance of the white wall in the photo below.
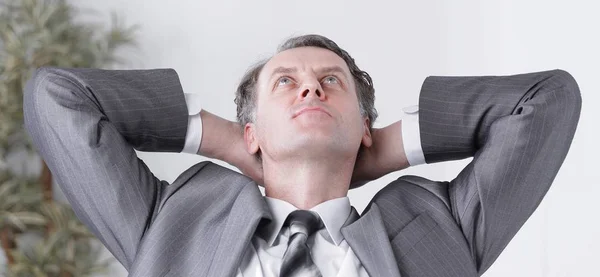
(211, 44)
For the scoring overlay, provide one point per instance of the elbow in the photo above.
(34, 98)
(565, 104)
(43, 95)
(570, 88)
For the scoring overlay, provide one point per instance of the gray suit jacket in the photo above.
(87, 122)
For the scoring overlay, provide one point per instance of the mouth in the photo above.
(311, 109)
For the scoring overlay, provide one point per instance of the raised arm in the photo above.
(85, 123)
(518, 129)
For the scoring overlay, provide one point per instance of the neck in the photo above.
(309, 182)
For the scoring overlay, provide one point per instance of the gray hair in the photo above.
(245, 97)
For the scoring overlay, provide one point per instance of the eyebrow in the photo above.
(283, 70)
(332, 69)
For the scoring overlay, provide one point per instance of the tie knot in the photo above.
(303, 221)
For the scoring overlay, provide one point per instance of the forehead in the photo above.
(304, 59)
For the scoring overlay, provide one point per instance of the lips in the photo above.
(310, 109)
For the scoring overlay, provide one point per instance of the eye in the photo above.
(330, 80)
(284, 81)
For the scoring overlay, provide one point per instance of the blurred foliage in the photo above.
(36, 33)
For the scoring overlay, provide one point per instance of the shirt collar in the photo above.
(333, 213)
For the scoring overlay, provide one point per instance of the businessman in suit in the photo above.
(304, 132)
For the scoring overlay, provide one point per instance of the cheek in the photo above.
(270, 123)
(350, 110)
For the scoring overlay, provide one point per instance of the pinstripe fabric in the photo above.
(518, 129)
(86, 123)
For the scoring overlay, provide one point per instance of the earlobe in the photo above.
(250, 138)
(367, 140)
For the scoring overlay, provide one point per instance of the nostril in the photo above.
(306, 92)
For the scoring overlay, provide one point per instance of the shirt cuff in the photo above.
(193, 137)
(411, 136)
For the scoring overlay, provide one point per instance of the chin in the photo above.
(318, 144)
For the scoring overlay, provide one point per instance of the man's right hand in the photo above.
(224, 140)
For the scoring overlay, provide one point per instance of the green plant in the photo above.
(36, 33)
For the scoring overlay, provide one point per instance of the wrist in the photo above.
(392, 147)
(217, 136)
(233, 143)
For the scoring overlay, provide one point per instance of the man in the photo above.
(305, 133)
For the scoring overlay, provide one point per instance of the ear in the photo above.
(367, 140)
(250, 138)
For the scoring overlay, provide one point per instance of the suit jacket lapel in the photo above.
(247, 212)
(369, 241)
(366, 235)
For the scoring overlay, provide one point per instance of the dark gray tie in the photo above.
(297, 260)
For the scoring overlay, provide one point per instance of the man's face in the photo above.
(306, 78)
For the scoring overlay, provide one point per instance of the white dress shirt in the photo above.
(329, 250)
(193, 137)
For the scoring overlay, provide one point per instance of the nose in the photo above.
(311, 89)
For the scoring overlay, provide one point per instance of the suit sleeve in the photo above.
(86, 123)
(517, 128)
